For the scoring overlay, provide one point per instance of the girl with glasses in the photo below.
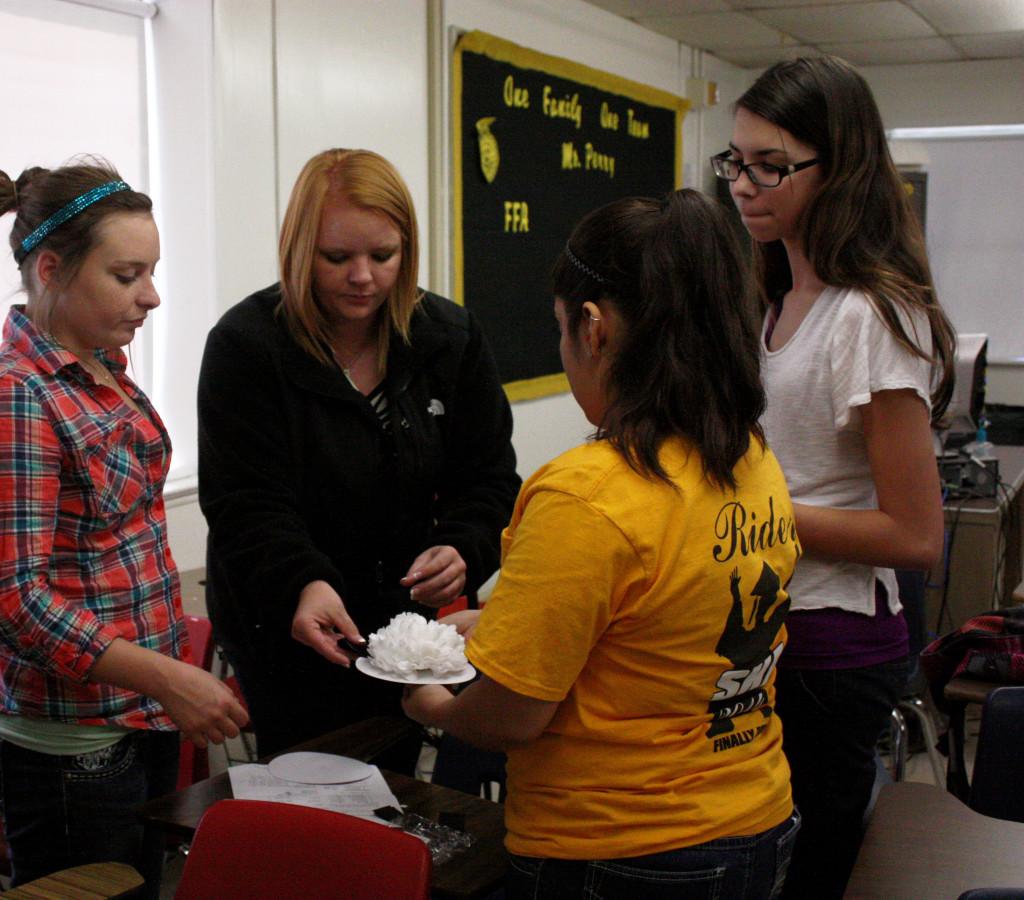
(857, 363)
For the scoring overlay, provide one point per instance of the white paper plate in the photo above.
(319, 768)
(366, 665)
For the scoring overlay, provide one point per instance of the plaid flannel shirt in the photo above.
(84, 555)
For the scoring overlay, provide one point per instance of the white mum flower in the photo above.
(410, 643)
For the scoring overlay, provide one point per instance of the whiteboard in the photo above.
(975, 239)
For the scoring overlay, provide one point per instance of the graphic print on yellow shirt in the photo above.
(652, 615)
(751, 643)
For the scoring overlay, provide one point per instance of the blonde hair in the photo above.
(369, 181)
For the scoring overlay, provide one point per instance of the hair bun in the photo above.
(13, 193)
(27, 177)
(8, 194)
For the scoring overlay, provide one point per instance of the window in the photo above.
(72, 80)
(104, 77)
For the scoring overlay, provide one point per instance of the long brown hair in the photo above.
(859, 230)
(369, 181)
(688, 362)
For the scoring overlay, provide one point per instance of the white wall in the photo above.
(246, 203)
(983, 92)
(716, 125)
(290, 79)
(977, 255)
(353, 74)
(986, 92)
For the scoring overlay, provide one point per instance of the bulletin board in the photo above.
(538, 141)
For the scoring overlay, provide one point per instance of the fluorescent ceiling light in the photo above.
(954, 132)
(145, 9)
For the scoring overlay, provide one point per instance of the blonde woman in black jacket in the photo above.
(355, 456)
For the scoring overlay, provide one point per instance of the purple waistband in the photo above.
(840, 639)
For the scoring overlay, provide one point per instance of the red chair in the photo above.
(246, 735)
(258, 850)
(457, 605)
(194, 764)
(200, 636)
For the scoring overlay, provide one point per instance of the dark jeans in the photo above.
(831, 722)
(64, 811)
(751, 868)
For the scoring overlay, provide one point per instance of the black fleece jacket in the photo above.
(299, 482)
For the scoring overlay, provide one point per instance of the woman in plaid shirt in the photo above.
(95, 673)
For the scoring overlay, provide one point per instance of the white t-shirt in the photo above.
(816, 383)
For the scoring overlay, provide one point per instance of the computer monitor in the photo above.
(963, 415)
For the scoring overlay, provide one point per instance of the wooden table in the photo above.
(922, 842)
(95, 881)
(475, 872)
(969, 690)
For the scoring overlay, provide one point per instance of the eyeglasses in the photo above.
(762, 174)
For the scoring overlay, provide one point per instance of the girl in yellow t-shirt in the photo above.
(628, 650)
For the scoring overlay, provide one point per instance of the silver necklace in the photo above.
(347, 368)
(101, 374)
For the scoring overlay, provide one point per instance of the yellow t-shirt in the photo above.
(654, 618)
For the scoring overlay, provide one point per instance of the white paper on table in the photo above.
(360, 798)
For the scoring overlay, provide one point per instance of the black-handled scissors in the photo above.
(357, 649)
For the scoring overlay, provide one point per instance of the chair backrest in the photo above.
(255, 849)
(194, 763)
(992, 894)
(997, 783)
(466, 768)
(200, 636)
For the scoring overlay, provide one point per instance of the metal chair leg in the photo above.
(249, 746)
(223, 671)
(898, 734)
(915, 706)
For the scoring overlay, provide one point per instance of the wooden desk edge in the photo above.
(106, 879)
(920, 835)
(968, 690)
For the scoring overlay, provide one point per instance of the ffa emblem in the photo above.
(489, 156)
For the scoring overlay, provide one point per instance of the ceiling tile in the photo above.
(991, 46)
(632, 9)
(762, 57)
(857, 22)
(886, 53)
(715, 31)
(754, 33)
(972, 16)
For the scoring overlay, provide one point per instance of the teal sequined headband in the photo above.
(64, 213)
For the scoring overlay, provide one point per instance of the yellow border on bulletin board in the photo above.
(505, 51)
